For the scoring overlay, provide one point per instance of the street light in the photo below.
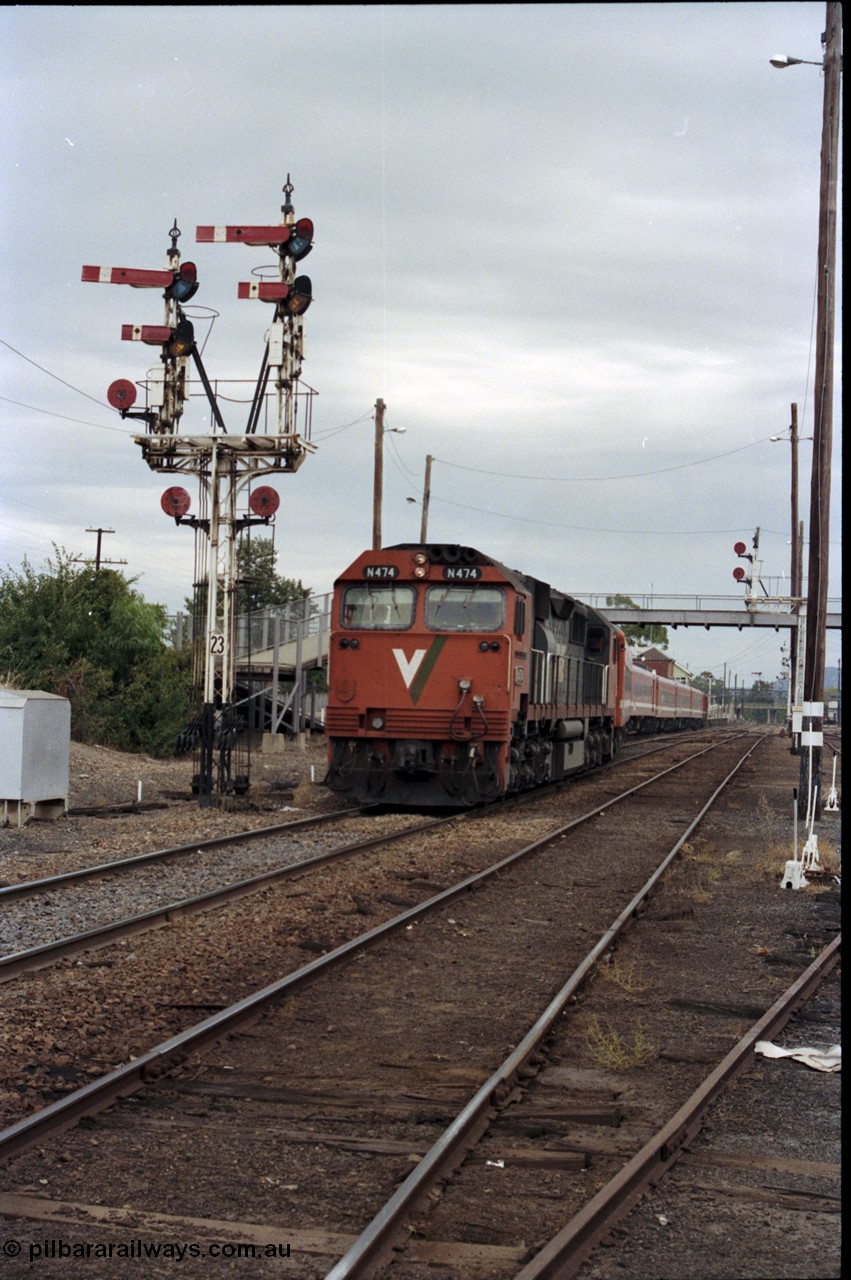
(378, 485)
(426, 496)
(781, 60)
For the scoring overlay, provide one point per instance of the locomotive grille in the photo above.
(341, 721)
(345, 722)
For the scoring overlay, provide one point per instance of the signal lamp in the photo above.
(300, 296)
(121, 394)
(740, 548)
(185, 284)
(264, 501)
(175, 502)
(739, 573)
(182, 339)
(301, 240)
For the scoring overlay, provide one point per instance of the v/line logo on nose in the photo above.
(416, 670)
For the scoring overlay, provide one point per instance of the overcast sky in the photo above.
(572, 247)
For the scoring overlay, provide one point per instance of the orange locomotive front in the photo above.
(453, 680)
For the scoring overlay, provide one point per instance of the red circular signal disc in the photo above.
(739, 574)
(740, 548)
(264, 501)
(175, 501)
(121, 394)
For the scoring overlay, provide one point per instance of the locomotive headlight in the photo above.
(377, 722)
(420, 558)
(419, 571)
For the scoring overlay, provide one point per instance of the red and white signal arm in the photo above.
(268, 236)
(121, 394)
(264, 501)
(138, 278)
(265, 290)
(153, 334)
(175, 501)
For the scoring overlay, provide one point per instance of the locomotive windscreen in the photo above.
(378, 608)
(465, 608)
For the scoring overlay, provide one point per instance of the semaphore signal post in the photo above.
(275, 439)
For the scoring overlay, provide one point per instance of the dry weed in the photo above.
(614, 1052)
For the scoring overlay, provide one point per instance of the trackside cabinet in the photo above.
(35, 748)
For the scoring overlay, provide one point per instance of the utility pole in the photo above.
(426, 496)
(378, 485)
(98, 560)
(794, 575)
(817, 584)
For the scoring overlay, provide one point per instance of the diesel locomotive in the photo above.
(454, 681)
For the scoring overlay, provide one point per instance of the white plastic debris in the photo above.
(819, 1059)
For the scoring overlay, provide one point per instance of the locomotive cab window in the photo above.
(375, 608)
(465, 608)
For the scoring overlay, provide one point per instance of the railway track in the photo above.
(16, 891)
(278, 853)
(344, 1048)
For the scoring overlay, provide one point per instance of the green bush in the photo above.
(87, 635)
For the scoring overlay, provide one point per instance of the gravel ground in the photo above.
(718, 918)
(284, 785)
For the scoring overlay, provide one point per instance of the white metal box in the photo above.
(35, 749)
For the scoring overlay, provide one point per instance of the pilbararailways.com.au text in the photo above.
(144, 1250)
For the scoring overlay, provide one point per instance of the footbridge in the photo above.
(711, 611)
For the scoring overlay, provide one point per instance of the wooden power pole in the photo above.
(817, 585)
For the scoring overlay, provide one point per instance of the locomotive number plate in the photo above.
(461, 573)
(381, 571)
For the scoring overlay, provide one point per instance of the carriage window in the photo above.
(377, 608)
(465, 608)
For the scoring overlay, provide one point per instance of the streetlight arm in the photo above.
(782, 60)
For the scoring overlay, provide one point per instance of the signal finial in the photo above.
(288, 190)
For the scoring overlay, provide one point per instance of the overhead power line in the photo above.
(41, 367)
(633, 475)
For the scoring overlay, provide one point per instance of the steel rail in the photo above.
(19, 962)
(562, 1257)
(25, 888)
(130, 1077)
(14, 964)
(376, 1241)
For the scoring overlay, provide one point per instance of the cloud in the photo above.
(513, 248)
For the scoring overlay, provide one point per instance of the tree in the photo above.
(639, 634)
(87, 635)
(258, 585)
(762, 692)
